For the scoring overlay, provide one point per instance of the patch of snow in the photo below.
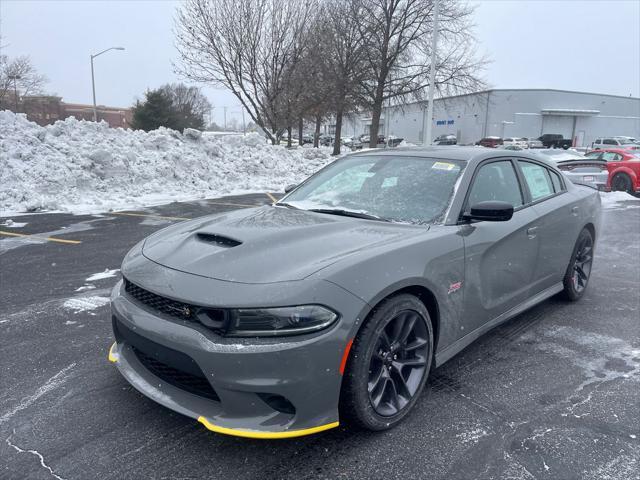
(618, 201)
(472, 436)
(84, 304)
(102, 275)
(11, 224)
(85, 287)
(54, 382)
(33, 452)
(87, 167)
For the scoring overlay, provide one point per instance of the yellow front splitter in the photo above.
(265, 435)
(113, 355)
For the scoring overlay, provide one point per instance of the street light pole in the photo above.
(432, 72)
(93, 81)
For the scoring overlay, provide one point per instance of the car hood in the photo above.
(268, 244)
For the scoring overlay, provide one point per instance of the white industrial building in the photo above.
(511, 113)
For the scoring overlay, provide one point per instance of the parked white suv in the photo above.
(614, 142)
(516, 142)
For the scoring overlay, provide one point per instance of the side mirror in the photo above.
(288, 188)
(490, 211)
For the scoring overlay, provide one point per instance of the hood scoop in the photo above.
(218, 240)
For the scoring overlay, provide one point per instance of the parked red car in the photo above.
(624, 169)
(491, 142)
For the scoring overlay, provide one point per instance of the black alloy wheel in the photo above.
(577, 275)
(582, 264)
(388, 364)
(398, 363)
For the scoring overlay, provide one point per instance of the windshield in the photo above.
(395, 188)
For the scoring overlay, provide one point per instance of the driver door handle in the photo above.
(532, 232)
(574, 211)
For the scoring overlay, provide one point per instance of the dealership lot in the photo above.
(552, 393)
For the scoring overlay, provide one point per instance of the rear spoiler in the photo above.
(590, 185)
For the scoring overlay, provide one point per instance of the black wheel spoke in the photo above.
(385, 340)
(378, 391)
(407, 328)
(411, 362)
(394, 401)
(416, 344)
(375, 380)
(398, 326)
(401, 383)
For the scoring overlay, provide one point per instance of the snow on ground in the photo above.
(11, 224)
(618, 201)
(83, 304)
(86, 167)
(102, 275)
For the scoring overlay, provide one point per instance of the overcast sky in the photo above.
(588, 45)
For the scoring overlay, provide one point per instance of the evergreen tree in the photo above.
(155, 111)
(174, 106)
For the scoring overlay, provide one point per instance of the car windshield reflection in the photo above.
(386, 188)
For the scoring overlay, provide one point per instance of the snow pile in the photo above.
(81, 166)
(619, 201)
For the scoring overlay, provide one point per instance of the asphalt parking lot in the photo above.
(553, 393)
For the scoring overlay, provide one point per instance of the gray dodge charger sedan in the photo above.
(336, 302)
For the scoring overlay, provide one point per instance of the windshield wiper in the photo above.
(349, 213)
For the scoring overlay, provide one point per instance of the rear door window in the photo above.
(538, 180)
(556, 181)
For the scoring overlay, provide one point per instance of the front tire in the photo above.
(388, 364)
(578, 272)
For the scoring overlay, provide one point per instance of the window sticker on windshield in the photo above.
(445, 166)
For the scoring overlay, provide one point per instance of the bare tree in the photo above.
(397, 35)
(344, 57)
(250, 47)
(188, 102)
(18, 77)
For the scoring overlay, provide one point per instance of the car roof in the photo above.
(464, 154)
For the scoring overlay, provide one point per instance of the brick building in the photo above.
(46, 109)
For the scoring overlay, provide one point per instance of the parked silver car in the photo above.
(334, 303)
(585, 170)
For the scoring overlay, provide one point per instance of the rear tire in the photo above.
(578, 272)
(621, 182)
(388, 365)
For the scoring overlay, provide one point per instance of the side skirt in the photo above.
(460, 344)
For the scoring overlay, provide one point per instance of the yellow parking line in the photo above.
(147, 215)
(49, 239)
(274, 199)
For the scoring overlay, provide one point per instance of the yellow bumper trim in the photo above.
(113, 357)
(265, 435)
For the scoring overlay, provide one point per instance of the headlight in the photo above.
(252, 322)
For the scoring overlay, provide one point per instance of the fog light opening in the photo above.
(278, 403)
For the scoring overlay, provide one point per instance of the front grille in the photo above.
(214, 318)
(162, 304)
(196, 384)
